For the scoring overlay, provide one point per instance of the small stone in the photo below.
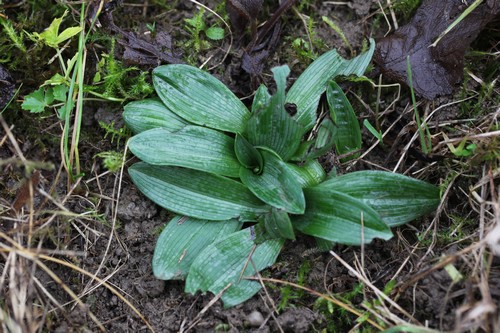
(255, 319)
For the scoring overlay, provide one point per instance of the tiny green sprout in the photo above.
(462, 150)
(242, 181)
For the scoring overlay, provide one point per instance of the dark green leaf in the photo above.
(276, 185)
(195, 193)
(192, 147)
(307, 90)
(147, 114)
(182, 240)
(397, 199)
(247, 154)
(278, 225)
(308, 175)
(227, 262)
(347, 134)
(273, 127)
(200, 98)
(340, 218)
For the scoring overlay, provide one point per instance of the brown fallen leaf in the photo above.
(436, 71)
(24, 194)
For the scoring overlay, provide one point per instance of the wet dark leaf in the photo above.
(263, 44)
(436, 70)
(142, 50)
(7, 87)
(241, 12)
(154, 51)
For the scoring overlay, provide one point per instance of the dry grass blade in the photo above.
(35, 257)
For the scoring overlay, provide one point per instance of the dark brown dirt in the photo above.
(123, 256)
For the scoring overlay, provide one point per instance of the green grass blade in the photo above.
(396, 198)
(182, 240)
(151, 113)
(192, 147)
(340, 218)
(227, 262)
(200, 98)
(195, 193)
(307, 90)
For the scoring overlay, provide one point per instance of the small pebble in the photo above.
(255, 319)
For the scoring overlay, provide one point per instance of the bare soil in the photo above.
(110, 229)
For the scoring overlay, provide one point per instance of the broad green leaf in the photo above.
(323, 244)
(278, 225)
(396, 198)
(200, 98)
(261, 99)
(347, 132)
(307, 90)
(247, 154)
(147, 114)
(227, 262)
(308, 175)
(38, 100)
(273, 127)
(276, 185)
(182, 240)
(192, 147)
(338, 217)
(196, 194)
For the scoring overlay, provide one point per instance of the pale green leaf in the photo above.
(337, 217)
(192, 147)
(38, 100)
(396, 198)
(200, 98)
(147, 114)
(182, 240)
(61, 93)
(215, 33)
(227, 263)
(276, 185)
(347, 135)
(307, 90)
(67, 34)
(195, 193)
